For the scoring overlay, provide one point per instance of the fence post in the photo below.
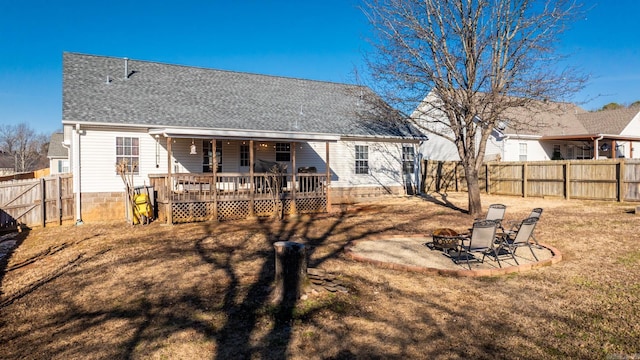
(59, 199)
(43, 204)
(455, 175)
(567, 180)
(620, 175)
(488, 182)
(525, 174)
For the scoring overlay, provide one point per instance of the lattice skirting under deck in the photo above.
(186, 212)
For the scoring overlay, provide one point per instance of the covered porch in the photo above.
(272, 187)
(190, 197)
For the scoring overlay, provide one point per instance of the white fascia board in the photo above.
(241, 134)
(384, 139)
(523, 137)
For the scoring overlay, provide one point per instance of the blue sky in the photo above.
(321, 40)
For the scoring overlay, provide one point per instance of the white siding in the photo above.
(98, 160)
(632, 129)
(535, 150)
(494, 149)
(385, 164)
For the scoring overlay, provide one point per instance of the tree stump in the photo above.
(291, 271)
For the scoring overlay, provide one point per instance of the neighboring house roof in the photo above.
(608, 121)
(156, 95)
(56, 150)
(7, 161)
(547, 119)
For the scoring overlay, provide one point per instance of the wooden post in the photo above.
(252, 185)
(455, 176)
(214, 170)
(525, 175)
(294, 210)
(43, 202)
(488, 182)
(59, 199)
(567, 181)
(169, 184)
(621, 182)
(291, 271)
(328, 174)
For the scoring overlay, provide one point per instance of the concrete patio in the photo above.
(415, 253)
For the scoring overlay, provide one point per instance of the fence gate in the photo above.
(36, 201)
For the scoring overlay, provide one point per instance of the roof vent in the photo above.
(126, 68)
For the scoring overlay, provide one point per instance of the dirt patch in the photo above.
(110, 290)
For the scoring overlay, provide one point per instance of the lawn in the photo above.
(203, 291)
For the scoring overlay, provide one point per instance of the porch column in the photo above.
(614, 151)
(214, 162)
(169, 185)
(252, 185)
(328, 174)
(293, 179)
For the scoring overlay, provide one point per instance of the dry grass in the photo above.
(202, 291)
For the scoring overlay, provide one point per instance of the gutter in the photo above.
(76, 172)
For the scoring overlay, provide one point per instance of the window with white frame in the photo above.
(244, 155)
(570, 152)
(408, 159)
(128, 151)
(63, 166)
(283, 152)
(523, 151)
(583, 152)
(207, 156)
(362, 159)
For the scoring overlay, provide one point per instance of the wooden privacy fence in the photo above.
(612, 180)
(36, 201)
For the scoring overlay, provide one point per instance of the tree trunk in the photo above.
(291, 271)
(473, 190)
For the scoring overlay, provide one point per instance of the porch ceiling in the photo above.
(242, 135)
(592, 137)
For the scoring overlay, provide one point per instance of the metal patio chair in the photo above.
(482, 240)
(520, 238)
(514, 225)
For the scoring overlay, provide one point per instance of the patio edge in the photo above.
(556, 257)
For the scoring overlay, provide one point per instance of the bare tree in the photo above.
(478, 59)
(28, 148)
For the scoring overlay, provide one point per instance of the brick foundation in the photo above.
(354, 194)
(103, 206)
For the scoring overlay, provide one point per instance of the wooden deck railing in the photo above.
(228, 186)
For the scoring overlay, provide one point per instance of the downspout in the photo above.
(76, 172)
(504, 142)
(596, 146)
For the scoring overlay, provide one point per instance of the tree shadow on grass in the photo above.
(442, 200)
(242, 317)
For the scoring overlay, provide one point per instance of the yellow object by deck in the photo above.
(142, 205)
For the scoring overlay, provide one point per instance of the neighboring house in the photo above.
(58, 154)
(7, 164)
(552, 131)
(191, 130)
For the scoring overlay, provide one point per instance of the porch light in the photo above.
(193, 148)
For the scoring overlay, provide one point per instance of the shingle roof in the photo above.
(56, 150)
(161, 95)
(548, 119)
(608, 121)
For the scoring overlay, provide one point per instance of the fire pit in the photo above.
(445, 239)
